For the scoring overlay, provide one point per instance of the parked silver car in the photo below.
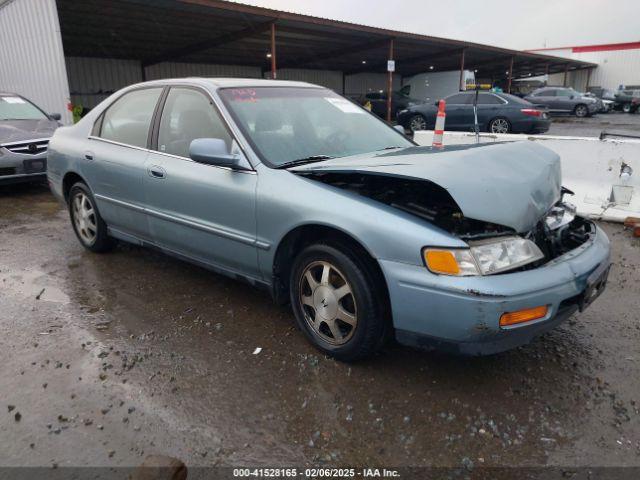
(296, 189)
(24, 136)
(561, 100)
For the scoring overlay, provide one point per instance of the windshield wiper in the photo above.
(392, 147)
(303, 161)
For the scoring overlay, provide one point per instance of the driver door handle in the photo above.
(156, 171)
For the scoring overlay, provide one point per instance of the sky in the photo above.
(515, 24)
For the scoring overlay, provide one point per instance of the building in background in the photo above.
(62, 53)
(618, 64)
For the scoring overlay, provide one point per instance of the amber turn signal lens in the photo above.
(521, 316)
(441, 261)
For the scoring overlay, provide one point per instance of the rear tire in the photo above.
(86, 220)
(338, 302)
(499, 125)
(626, 107)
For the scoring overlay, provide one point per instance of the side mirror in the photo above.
(572, 97)
(55, 116)
(437, 104)
(212, 151)
(399, 128)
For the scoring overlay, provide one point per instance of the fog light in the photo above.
(521, 316)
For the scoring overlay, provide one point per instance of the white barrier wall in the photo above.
(603, 174)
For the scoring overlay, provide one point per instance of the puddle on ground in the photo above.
(32, 284)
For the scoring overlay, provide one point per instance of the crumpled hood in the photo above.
(512, 184)
(12, 131)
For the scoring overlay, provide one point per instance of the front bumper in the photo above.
(17, 168)
(461, 314)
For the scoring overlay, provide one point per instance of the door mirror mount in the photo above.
(55, 116)
(213, 151)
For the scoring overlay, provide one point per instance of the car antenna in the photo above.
(477, 87)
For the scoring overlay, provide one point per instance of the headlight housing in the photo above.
(485, 257)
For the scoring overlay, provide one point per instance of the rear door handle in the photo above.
(88, 155)
(156, 171)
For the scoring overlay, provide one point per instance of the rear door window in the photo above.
(128, 119)
(459, 99)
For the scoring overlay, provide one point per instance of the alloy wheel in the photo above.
(499, 125)
(417, 123)
(328, 303)
(581, 111)
(84, 218)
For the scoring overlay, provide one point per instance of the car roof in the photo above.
(232, 82)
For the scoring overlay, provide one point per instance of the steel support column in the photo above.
(510, 75)
(389, 83)
(586, 87)
(566, 70)
(273, 51)
(461, 70)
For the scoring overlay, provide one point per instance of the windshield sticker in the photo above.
(13, 99)
(243, 95)
(344, 105)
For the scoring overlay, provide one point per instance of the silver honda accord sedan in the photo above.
(291, 187)
(24, 136)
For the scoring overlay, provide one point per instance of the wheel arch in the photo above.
(69, 180)
(303, 235)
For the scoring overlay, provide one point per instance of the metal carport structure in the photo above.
(135, 40)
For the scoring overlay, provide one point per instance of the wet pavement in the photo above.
(109, 358)
(613, 122)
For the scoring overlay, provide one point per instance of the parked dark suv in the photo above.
(628, 100)
(560, 100)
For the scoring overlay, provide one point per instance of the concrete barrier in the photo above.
(603, 174)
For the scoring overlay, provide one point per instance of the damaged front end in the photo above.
(421, 198)
(558, 232)
(561, 230)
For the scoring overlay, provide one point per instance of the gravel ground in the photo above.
(109, 358)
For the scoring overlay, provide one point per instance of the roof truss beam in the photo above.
(208, 44)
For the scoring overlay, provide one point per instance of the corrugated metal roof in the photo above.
(219, 32)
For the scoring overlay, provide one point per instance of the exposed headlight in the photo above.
(483, 258)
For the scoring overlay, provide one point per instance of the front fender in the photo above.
(286, 201)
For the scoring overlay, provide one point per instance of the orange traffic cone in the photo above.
(438, 133)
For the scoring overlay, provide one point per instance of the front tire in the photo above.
(86, 220)
(626, 107)
(417, 122)
(338, 302)
(581, 111)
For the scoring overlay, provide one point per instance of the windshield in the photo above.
(285, 124)
(17, 108)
